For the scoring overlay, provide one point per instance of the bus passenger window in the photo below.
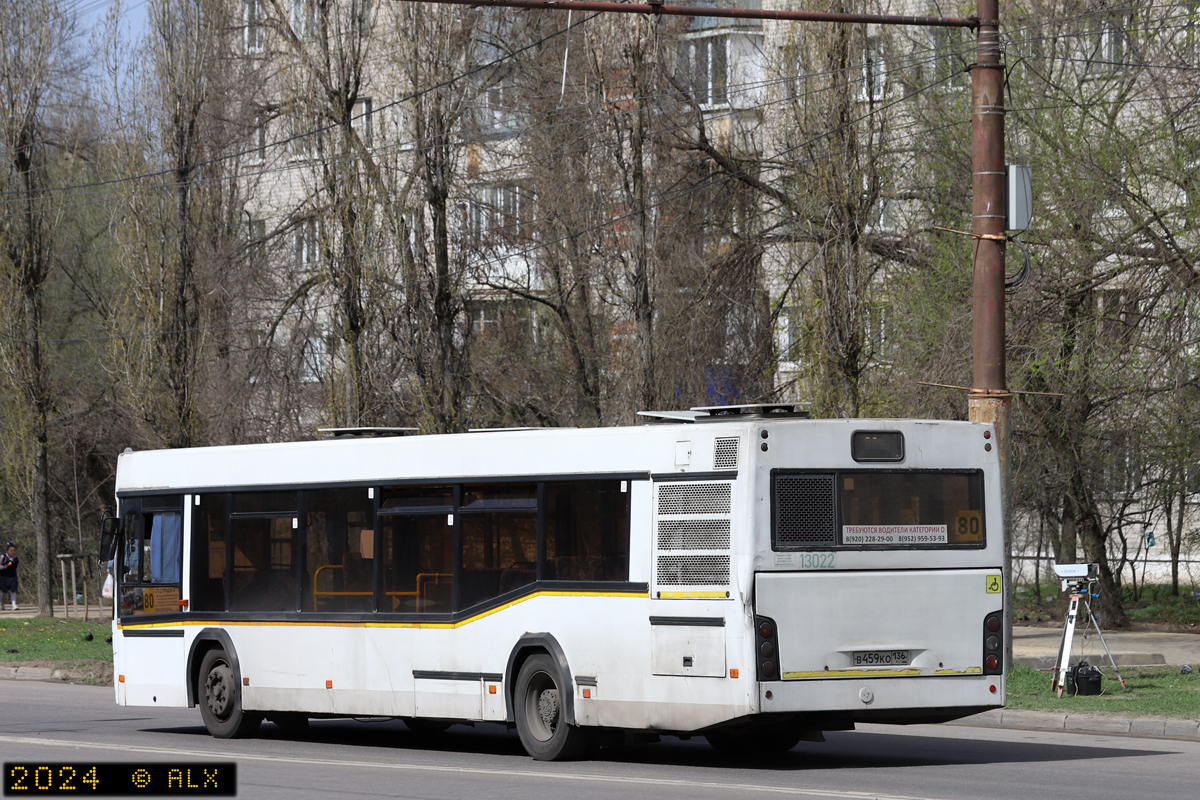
(339, 550)
(587, 531)
(499, 554)
(264, 564)
(208, 554)
(417, 561)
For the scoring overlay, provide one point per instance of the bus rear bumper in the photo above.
(925, 699)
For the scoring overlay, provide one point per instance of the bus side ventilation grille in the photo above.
(725, 453)
(804, 511)
(694, 498)
(693, 570)
(693, 534)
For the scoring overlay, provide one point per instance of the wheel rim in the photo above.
(542, 707)
(218, 691)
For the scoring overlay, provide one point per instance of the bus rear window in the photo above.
(877, 508)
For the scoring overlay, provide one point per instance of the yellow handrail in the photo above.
(423, 579)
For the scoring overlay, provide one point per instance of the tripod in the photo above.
(1080, 590)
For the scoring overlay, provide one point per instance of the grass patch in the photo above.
(1154, 604)
(1153, 692)
(54, 640)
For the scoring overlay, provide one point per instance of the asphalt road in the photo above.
(65, 723)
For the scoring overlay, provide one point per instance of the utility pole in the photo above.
(989, 400)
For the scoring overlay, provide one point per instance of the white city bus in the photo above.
(744, 573)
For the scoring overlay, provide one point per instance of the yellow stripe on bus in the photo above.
(677, 595)
(364, 624)
(878, 673)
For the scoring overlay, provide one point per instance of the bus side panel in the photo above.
(284, 667)
(152, 666)
(118, 664)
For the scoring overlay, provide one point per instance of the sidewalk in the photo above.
(1038, 647)
(94, 612)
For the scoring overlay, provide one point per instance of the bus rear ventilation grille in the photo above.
(804, 512)
(725, 453)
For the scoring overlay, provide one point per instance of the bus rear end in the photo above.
(878, 588)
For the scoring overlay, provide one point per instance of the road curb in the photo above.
(27, 673)
(1086, 723)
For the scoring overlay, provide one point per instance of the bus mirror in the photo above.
(109, 528)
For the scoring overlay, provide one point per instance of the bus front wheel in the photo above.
(221, 699)
(538, 708)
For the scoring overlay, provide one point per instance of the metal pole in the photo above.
(990, 400)
(62, 568)
(74, 590)
(660, 9)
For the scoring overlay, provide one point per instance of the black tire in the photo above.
(220, 699)
(537, 705)
(754, 743)
(292, 723)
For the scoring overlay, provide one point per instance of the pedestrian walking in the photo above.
(8, 574)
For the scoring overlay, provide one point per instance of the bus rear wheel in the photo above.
(221, 699)
(538, 708)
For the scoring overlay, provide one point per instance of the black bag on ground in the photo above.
(1083, 679)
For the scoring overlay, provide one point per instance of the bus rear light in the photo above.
(992, 688)
(766, 646)
(993, 643)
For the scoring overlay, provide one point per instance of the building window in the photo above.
(312, 359)
(304, 246)
(1111, 43)
(874, 71)
(254, 32)
(497, 212)
(950, 53)
(361, 119)
(258, 150)
(301, 17)
(706, 65)
(500, 112)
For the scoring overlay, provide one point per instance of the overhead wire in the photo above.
(786, 78)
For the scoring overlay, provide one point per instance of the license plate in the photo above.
(881, 658)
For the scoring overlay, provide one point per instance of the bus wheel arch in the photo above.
(529, 645)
